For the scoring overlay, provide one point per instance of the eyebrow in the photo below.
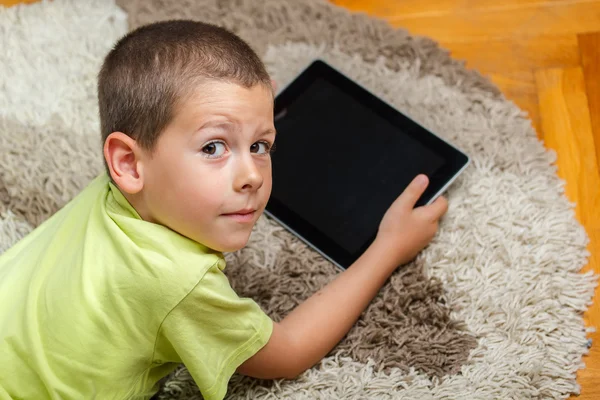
(228, 125)
(231, 125)
(268, 132)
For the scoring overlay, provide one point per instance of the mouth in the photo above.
(245, 215)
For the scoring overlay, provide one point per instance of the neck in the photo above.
(138, 202)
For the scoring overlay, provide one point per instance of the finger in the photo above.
(413, 192)
(435, 210)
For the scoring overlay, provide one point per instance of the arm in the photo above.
(313, 328)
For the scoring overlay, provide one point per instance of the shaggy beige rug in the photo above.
(491, 309)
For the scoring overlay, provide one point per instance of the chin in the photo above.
(230, 249)
(233, 245)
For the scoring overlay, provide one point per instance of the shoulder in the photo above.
(165, 280)
(213, 331)
(214, 308)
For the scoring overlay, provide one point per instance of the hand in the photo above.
(311, 330)
(404, 230)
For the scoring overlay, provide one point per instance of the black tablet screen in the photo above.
(337, 163)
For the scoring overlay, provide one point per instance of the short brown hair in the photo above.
(151, 70)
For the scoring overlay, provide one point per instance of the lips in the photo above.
(242, 212)
(244, 215)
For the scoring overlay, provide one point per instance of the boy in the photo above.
(125, 282)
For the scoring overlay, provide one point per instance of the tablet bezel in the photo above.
(456, 161)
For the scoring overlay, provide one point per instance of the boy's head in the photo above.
(186, 112)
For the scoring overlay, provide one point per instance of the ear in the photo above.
(124, 159)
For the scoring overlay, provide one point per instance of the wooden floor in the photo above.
(545, 56)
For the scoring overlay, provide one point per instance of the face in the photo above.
(209, 176)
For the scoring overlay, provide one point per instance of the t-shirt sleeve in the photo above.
(213, 331)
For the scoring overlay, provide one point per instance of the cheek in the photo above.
(204, 194)
(268, 184)
(267, 181)
(193, 192)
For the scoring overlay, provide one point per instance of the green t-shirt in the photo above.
(98, 303)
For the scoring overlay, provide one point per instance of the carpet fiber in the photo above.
(491, 309)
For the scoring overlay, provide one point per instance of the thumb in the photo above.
(435, 210)
(414, 190)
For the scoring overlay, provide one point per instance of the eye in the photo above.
(261, 148)
(214, 149)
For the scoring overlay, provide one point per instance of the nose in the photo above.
(247, 176)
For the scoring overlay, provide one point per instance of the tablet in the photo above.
(342, 157)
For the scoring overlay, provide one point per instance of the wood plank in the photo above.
(593, 315)
(589, 45)
(464, 23)
(567, 128)
(516, 54)
(435, 7)
(509, 64)
(10, 3)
